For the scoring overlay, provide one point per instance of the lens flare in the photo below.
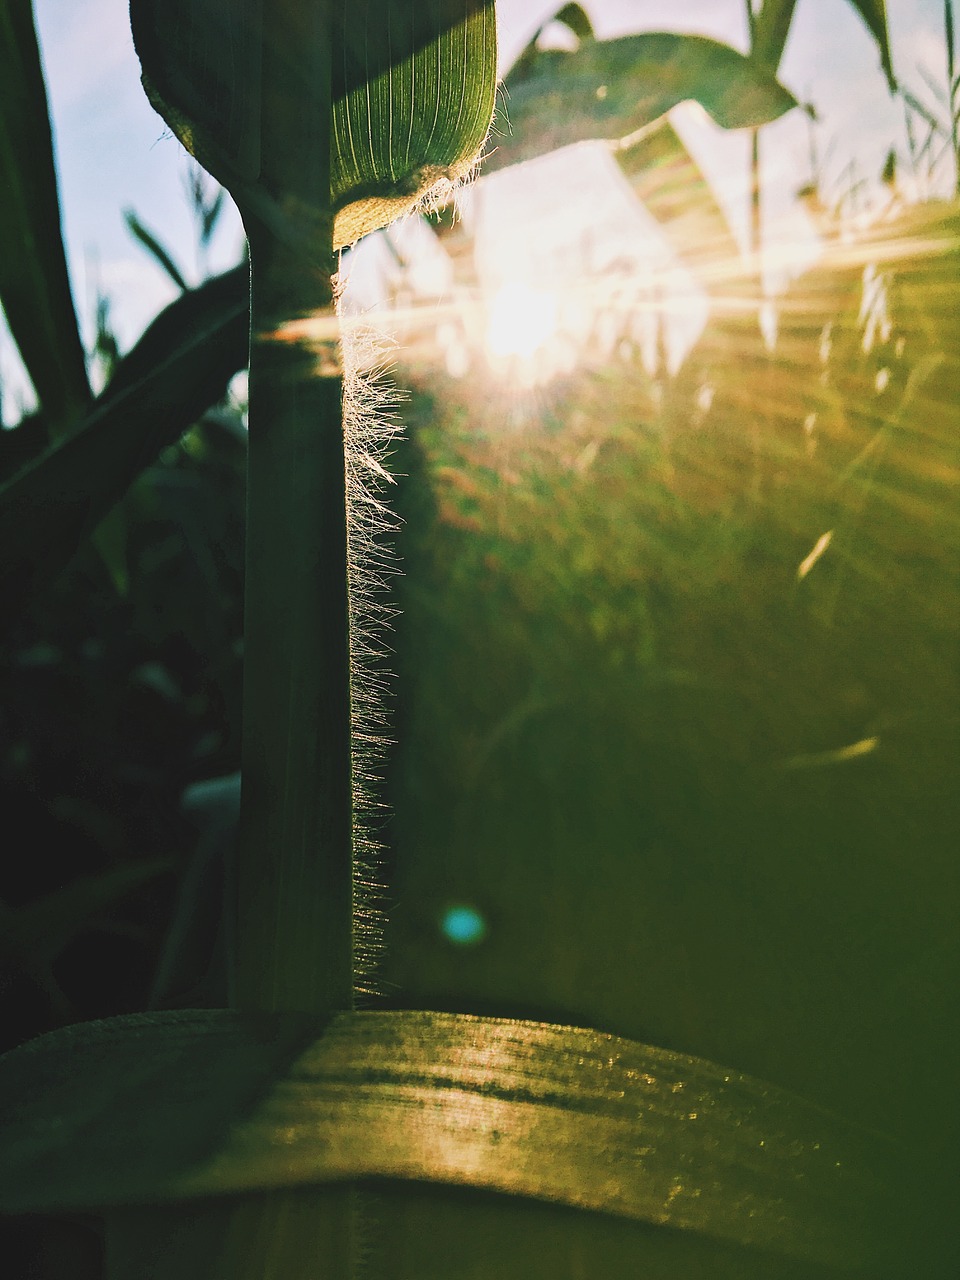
(522, 320)
(463, 925)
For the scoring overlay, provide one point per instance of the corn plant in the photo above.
(224, 1143)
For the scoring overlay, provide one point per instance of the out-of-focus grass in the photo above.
(696, 763)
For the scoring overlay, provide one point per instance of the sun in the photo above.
(521, 321)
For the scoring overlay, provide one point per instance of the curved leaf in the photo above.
(34, 287)
(608, 89)
(205, 61)
(33, 935)
(197, 945)
(43, 927)
(180, 366)
(176, 1106)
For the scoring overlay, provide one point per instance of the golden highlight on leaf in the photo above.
(214, 1103)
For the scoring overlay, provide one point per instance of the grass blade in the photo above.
(34, 287)
(154, 248)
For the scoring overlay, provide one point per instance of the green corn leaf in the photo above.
(32, 936)
(416, 129)
(170, 1107)
(213, 808)
(951, 42)
(34, 288)
(205, 60)
(154, 248)
(413, 92)
(180, 366)
(608, 89)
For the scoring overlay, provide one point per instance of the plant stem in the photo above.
(756, 215)
(294, 947)
(294, 927)
(294, 873)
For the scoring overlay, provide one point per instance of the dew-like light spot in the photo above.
(463, 925)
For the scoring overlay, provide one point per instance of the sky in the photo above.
(115, 153)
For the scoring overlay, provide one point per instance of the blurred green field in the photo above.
(678, 694)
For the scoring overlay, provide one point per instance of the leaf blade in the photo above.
(34, 286)
(609, 89)
(560, 1114)
(180, 366)
(771, 26)
(156, 250)
(435, 94)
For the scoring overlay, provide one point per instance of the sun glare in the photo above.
(521, 321)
